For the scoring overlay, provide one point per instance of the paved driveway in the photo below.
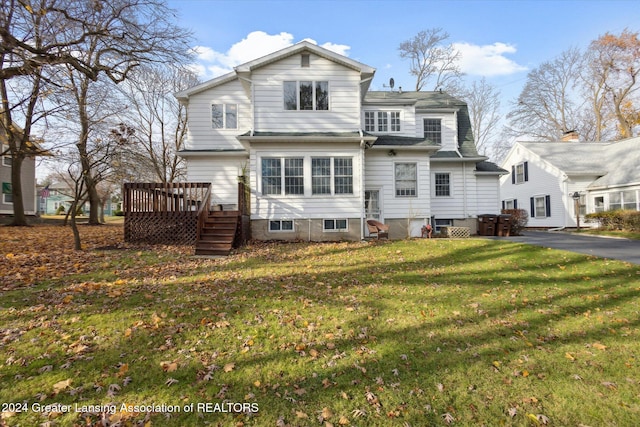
(620, 249)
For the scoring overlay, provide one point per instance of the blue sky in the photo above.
(500, 40)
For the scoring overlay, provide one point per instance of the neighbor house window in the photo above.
(281, 225)
(224, 116)
(382, 121)
(540, 207)
(598, 204)
(520, 173)
(615, 201)
(332, 175)
(433, 130)
(306, 95)
(6, 158)
(7, 196)
(335, 225)
(629, 200)
(280, 174)
(443, 184)
(406, 179)
(510, 204)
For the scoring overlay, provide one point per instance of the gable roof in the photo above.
(611, 163)
(366, 72)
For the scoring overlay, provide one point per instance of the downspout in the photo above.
(362, 184)
(464, 190)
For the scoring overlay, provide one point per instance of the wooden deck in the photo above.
(181, 213)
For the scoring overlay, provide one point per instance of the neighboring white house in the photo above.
(545, 176)
(323, 153)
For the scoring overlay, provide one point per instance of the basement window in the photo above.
(281, 225)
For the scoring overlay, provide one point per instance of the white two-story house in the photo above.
(323, 154)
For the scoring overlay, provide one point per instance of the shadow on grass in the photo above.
(396, 327)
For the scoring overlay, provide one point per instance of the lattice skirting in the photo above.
(172, 228)
(458, 232)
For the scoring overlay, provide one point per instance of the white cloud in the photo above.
(487, 60)
(257, 44)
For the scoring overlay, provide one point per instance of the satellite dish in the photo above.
(391, 82)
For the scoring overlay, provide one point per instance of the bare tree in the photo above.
(614, 71)
(483, 101)
(432, 60)
(548, 106)
(156, 123)
(92, 38)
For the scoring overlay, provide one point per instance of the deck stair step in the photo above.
(218, 233)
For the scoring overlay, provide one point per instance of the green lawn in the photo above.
(408, 333)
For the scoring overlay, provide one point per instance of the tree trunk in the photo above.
(19, 217)
(77, 244)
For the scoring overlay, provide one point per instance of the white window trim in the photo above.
(544, 205)
(395, 181)
(507, 201)
(4, 200)
(424, 131)
(308, 174)
(376, 122)
(523, 175)
(293, 225)
(450, 184)
(313, 86)
(335, 222)
(224, 115)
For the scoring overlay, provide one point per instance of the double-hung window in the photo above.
(280, 174)
(331, 175)
(224, 116)
(520, 173)
(433, 130)
(406, 179)
(540, 206)
(306, 95)
(443, 184)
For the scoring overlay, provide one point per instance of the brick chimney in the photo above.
(570, 136)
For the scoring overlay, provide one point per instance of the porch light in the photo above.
(576, 206)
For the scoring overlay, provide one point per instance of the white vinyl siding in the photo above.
(342, 113)
(222, 172)
(380, 175)
(202, 133)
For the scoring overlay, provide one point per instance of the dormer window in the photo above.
(433, 130)
(382, 121)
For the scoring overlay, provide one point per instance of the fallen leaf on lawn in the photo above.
(301, 414)
(169, 366)
(229, 367)
(326, 413)
(343, 421)
(61, 385)
(599, 346)
(171, 381)
(123, 370)
(569, 356)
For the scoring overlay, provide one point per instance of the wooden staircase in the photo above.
(218, 232)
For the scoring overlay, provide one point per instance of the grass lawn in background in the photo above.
(406, 333)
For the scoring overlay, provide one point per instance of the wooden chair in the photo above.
(378, 229)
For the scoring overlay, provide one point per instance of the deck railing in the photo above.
(164, 212)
